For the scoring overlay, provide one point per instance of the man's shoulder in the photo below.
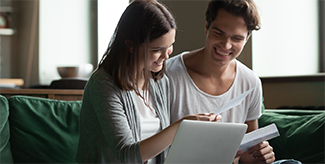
(174, 63)
(245, 71)
(175, 59)
(247, 75)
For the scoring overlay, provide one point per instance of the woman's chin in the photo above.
(156, 69)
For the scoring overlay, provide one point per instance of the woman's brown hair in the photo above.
(142, 22)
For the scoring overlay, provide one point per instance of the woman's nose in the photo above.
(168, 52)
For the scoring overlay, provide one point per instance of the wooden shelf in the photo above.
(58, 94)
(15, 82)
(6, 31)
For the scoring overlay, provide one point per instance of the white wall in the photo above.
(109, 13)
(287, 43)
(64, 36)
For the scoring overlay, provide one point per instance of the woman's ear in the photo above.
(129, 45)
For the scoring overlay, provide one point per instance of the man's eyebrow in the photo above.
(216, 28)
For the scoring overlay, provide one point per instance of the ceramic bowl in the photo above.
(81, 71)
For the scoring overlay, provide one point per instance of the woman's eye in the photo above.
(156, 50)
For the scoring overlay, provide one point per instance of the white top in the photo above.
(187, 98)
(149, 121)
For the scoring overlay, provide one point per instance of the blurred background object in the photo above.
(81, 71)
(72, 77)
(11, 83)
(4, 20)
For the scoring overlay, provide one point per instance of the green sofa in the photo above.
(39, 130)
(301, 134)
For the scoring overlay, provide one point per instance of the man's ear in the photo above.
(206, 28)
(248, 36)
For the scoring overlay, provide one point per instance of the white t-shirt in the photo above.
(149, 121)
(187, 98)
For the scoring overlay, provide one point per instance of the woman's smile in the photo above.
(159, 63)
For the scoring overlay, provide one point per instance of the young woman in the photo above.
(125, 109)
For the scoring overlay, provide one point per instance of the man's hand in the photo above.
(262, 153)
(237, 157)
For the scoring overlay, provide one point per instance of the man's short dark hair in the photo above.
(243, 8)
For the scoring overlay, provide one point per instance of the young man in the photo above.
(205, 79)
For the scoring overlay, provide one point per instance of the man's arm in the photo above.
(260, 153)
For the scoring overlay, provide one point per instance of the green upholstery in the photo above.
(47, 131)
(301, 134)
(43, 130)
(5, 152)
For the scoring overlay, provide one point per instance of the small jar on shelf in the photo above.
(4, 20)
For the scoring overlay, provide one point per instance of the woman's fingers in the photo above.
(204, 117)
(218, 118)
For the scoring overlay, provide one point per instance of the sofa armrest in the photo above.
(301, 134)
(5, 152)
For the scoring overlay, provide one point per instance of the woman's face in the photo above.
(159, 50)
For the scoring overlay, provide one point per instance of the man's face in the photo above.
(226, 37)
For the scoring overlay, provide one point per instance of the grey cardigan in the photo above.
(110, 123)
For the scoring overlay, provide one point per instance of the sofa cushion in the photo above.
(43, 130)
(5, 152)
(301, 134)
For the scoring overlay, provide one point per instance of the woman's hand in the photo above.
(262, 152)
(203, 117)
(155, 144)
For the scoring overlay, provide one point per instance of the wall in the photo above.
(64, 37)
(190, 20)
(294, 92)
(5, 41)
(25, 42)
(21, 42)
(286, 28)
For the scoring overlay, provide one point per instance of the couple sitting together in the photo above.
(135, 100)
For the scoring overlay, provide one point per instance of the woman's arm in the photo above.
(154, 145)
(110, 122)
